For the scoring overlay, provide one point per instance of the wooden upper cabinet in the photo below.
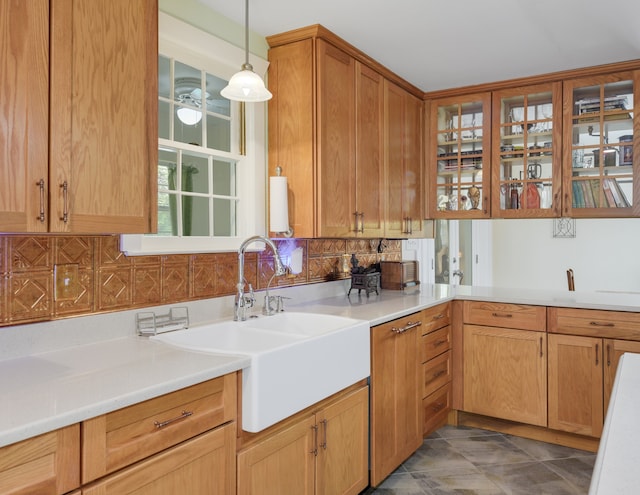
(602, 145)
(404, 163)
(459, 156)
(527, 151)
(78, 140)
(24, 117)
(369, 177)
(104, 116)
(327, 132)
(336, 141)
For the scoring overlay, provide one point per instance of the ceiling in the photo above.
(440, 44)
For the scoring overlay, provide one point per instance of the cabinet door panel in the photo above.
(575, 384)
(48, 464)
(614, 349)
(336, 140)
(413, 166)
(104, 129)
(369, 178)
(505, 373)
(201, 466)
(396, 431)
(343, 436)
(283, 463)
(24, 88)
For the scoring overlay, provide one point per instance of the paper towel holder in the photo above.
(283, 219)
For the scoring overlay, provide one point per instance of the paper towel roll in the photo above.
(295, 265)
(278, 204)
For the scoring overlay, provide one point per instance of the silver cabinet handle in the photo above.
(408, 326)
(65, 197)
(162, 424)
(314, 451)
(40, 184)
(324, 436)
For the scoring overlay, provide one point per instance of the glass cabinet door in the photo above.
(600, 145)
(526, 148)
(459, 157)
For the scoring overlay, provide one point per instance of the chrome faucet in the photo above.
(244, 301)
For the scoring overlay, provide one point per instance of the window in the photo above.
(211, 156)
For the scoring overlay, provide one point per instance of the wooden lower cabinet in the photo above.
(582, 371)
(324, 453)
(204, 465)
(396, 394)
(575, 384)
(48, 464)
(505, 373)
(613, 351)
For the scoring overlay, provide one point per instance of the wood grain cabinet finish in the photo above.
(24, 115)
(436, 364)
(120, 438)
(48, 464)
(329, 131)
(403, 163)
(323, 453)
(505, 361)
(339, 193)
(396, 393)
(80, 153)
(584, 350)
(575, 384)
(204, 465)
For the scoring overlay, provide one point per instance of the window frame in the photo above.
(195, 47)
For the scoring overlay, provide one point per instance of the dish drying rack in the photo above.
(148, 323)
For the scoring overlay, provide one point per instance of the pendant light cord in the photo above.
(246, 33)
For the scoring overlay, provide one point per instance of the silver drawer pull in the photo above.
(598, 324)
(162, 424)
(502, 315)
(438, 316)
(438, 374)
(438, 343)
(408, 326)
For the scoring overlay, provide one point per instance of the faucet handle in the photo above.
(280, 303)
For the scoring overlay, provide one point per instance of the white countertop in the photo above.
(618, 454)
(47, 390)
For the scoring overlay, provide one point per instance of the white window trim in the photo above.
(195, 47)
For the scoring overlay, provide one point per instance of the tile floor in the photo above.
(461, 460)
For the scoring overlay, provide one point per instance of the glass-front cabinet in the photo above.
(526, 151)
(600, 145)
(459, 148)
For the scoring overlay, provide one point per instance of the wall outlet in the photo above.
(66, 281)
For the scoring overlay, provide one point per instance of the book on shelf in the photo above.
(578, 199)
(595, 193)
(619, 198)
(612, 202)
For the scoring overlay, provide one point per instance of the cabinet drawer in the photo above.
(519, 316)
(595, 323)
(436, 317)
(436, 373)
(46, 464)
(435, 343)
(122, 437)
(201, 466)
(435, 408)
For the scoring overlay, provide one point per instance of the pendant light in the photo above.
(246, 85)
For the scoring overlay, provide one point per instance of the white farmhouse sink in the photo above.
(297, 359)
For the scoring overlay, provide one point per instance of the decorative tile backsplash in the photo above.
(52, 277)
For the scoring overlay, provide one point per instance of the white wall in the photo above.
(604, 255)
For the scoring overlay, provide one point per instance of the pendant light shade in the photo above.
(246, 85)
